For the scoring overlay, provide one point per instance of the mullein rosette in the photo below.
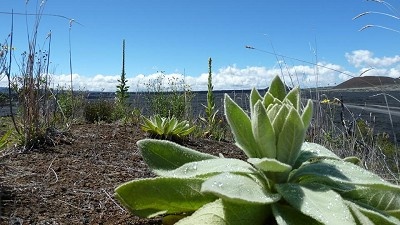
(284, 180)
(275, 131)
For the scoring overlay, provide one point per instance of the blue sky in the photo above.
(178, 37)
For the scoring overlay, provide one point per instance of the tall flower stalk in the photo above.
(210, 110)
(122, 88)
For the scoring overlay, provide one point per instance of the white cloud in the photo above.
(3, 80)
(325, 74)
(97, 83)
(365, 58)
(229, 77)
(389, 72)
(234, 77)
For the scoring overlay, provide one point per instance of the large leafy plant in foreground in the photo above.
(284, 181)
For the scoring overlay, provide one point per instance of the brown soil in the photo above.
(73, 182)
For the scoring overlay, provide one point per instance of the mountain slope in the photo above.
(368, 81)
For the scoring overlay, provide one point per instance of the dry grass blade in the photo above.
(378, 26)
(393, 16)
(374, 12)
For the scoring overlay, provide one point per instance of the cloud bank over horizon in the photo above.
(232, 77)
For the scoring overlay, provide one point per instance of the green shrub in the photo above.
(69, 104)
(134, 116)
(120, 112)
(167, 127)
(66, 103)
(220, 130)
(169, 97)
(284, 180)
(4, 139)
(99, 110)
(3, 99)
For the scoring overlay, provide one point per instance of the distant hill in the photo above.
(368, 81)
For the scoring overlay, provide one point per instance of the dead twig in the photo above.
(109, 196)
(54, 172)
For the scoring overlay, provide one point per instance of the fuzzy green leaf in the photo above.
(317, 202)
(221, 212)
(333, 172)
(374, 216)
(245, 214)
(182, 124)
(277, 88)
(352, 159)
(312, 151)
(158, 120)
(263, 132)
(186, 131)
(210, 214)
(279, 119)
(294, 97)
(149, 126)
(359, 217)
(240, 125)
(254, 98)
(268, 100)
(166, 126)
(174, 122)
(166, 155)
(290, 139)
(269, 165)
(156, 196)
(239, 189)
(273, 110)
(286, 215)
(210, 167)
(306, 117)
(384, 200)
(182, 129)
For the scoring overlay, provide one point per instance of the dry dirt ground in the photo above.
(73, 182)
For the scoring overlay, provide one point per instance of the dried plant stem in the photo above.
(9, 77)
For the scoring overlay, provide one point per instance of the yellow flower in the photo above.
(325, 101)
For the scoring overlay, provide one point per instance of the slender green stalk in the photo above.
(122, 88)
(213, 128)
(122, 96)
(210, 109)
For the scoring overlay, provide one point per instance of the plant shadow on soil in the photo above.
(73, 181)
